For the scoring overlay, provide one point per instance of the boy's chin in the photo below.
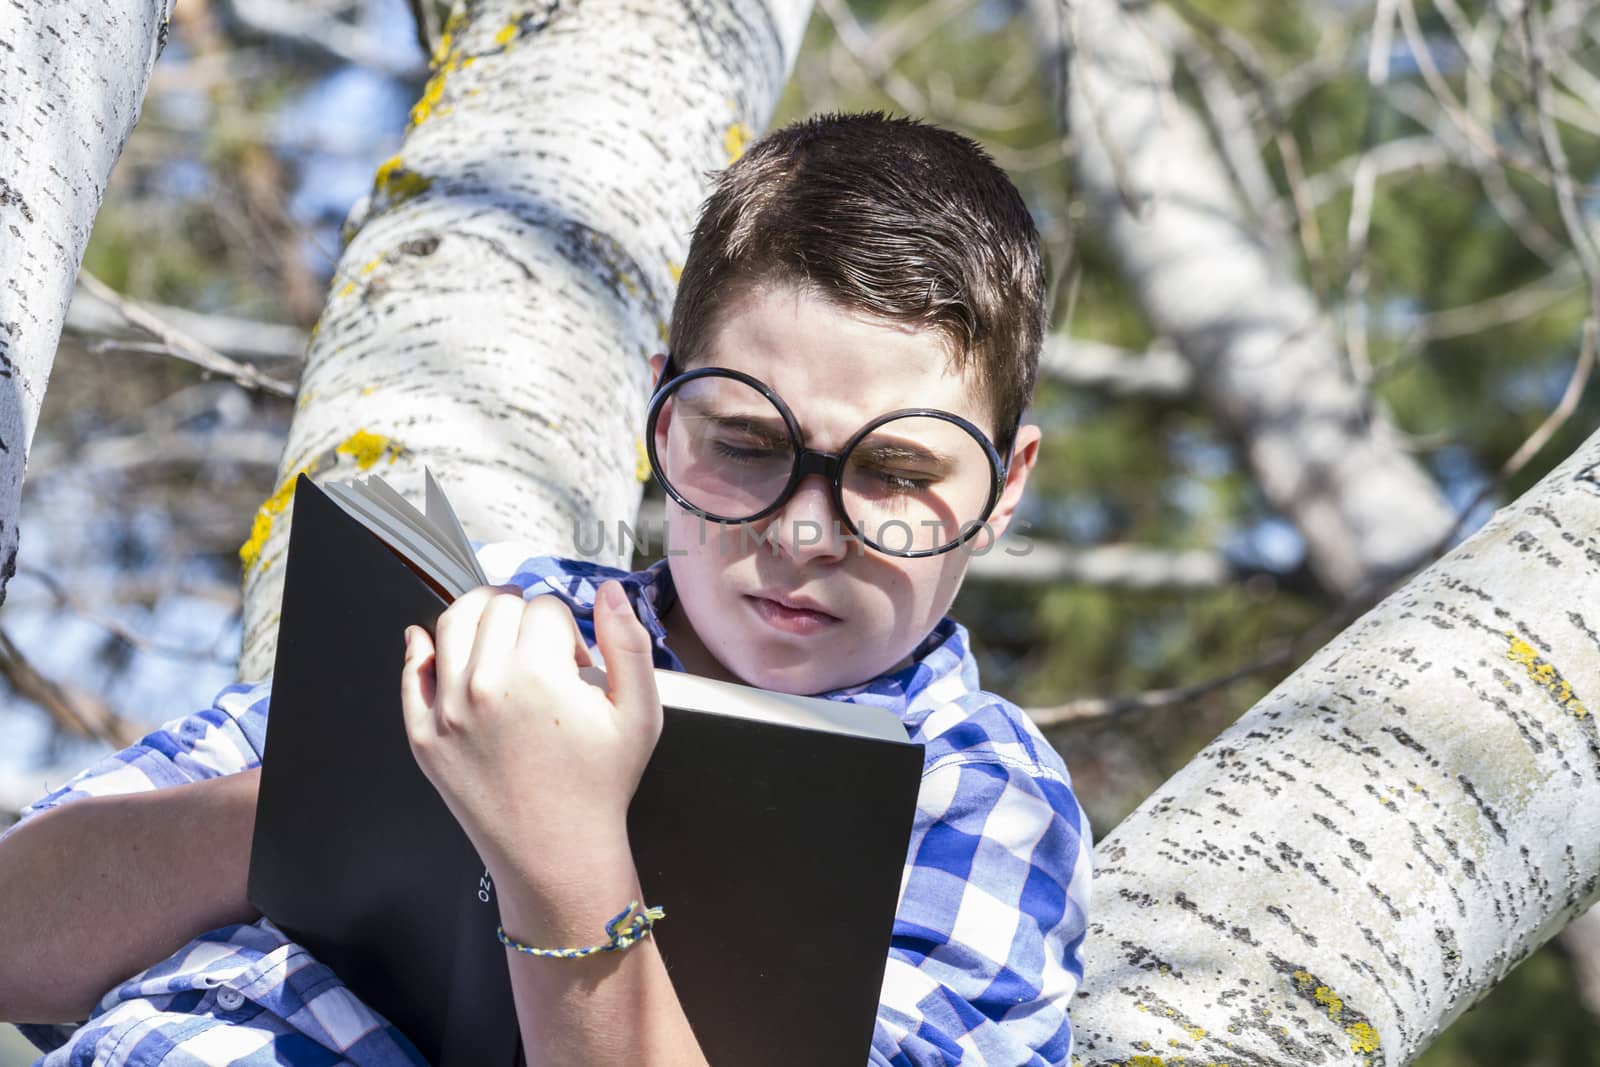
(807, 679)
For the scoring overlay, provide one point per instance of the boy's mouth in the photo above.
(791, 614)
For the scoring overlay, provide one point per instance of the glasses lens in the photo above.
(724, 446)
(917, 484)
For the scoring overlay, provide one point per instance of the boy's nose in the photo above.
(809, 527)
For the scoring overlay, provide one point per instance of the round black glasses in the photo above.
(912, 482)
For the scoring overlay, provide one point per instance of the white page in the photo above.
(386, 497)
(442, 517)
(443, 569)
(763, 705)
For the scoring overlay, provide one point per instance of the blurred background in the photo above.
(1389, 148)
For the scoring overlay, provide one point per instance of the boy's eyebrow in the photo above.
(871, 450)
(772, 426)
(902, 451)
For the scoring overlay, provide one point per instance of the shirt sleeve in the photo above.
(222, 739)
(987, 947)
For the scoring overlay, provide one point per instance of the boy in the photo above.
(854, 340)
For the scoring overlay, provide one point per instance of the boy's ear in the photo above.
(657, 361)
(1024, 453)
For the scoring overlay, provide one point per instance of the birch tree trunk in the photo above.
(1211, 281)
(1384, 836)
(72, 78)
(493, 312)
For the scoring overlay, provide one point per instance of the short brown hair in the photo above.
(888, 216)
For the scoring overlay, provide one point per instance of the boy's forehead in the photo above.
(835, 367)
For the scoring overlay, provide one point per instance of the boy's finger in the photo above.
(549, 636)
(417, 684)
(495, 642)
(455, 634)
(625, 644)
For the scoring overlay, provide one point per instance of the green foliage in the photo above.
(1467, 393)
(1111, 470)
(1531, 1019)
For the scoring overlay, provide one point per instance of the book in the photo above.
(772, 828)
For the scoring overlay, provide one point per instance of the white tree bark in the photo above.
(1159, 372)
(72, 78)
(1212, 283)
(494, 311)
(240, 338)
(1384, 836)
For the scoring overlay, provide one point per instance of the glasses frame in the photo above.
(808, 461)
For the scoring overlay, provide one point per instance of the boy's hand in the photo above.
(536, 764)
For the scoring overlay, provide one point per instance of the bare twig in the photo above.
(304, 26)
(1139, 567)
(1157, 372)
(66, 599)
(1474, 131)
(180, 344)
(426, 17)
(1231, 122)
(1273, 110)
(1479, 43)
(869, 59)
(1578, 232)
(258, 448)
(899, 37)
(236, 337)
(1364, 188)
(77, 713)
(1418, 104)
(1394, 156)
(1498, 310)
(857, 45)
(1091, 708)
(1563, 410)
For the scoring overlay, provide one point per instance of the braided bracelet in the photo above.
(620, 936)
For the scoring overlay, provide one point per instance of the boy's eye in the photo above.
(748, 451)
(895, 482)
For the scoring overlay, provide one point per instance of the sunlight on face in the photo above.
(791, 601)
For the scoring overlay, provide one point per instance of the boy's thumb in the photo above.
(625, 644)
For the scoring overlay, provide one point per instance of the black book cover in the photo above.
(776, 850)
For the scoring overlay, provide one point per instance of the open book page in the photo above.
(680, 690)
(383, 493)
(393, 519)
(420, 551)
(442, 517)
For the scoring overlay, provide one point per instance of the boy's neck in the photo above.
(686, 644)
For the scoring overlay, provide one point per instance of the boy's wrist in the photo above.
(567, 903)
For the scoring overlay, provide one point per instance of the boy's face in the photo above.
(836, 370)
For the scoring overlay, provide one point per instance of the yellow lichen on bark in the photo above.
(1363, 1038)
(1544, 675)
(641, 463)
(364, 446)
(394, 184)
(261, 528)
(734, 141)
(432, 93)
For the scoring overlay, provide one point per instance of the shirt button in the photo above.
(230, 999)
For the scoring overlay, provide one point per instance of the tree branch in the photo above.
(76, 712)
(179, 344)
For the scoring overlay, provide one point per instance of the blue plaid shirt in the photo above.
(988, 934)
